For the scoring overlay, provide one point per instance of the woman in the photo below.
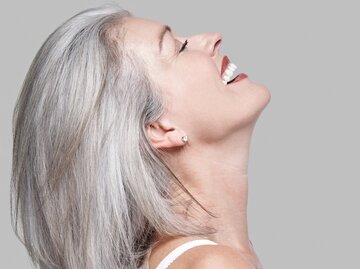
(129, 144)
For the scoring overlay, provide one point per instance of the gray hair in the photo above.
(88, 188)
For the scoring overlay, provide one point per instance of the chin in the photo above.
(261, 98)
(265, 95)
(258, 94)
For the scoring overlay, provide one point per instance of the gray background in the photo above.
(304, 180)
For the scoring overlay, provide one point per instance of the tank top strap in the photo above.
(181, 249)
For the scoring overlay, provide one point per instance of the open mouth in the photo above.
(227, 71)
(239, 77)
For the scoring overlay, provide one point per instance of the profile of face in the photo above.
(198, 103)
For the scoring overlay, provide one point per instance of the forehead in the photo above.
(139, 29)
(142, 36)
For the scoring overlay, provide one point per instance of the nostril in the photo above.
(217, 44)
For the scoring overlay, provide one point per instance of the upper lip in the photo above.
(224, 63)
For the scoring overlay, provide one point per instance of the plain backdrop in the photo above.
(304, 161)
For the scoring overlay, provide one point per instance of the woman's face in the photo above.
(198, 101)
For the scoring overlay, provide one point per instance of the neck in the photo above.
(217, 176)
(223, 190)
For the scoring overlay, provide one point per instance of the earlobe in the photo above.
(184, 139)
(163, 134)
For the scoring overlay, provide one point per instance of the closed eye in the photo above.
(183, 46)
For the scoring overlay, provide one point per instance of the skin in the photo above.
(219, 121)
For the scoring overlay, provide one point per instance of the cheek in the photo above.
(197, 73)
(196, 88)
(193, 92)
(196, 103)
(196, 77)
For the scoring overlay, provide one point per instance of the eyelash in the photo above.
(183, 46)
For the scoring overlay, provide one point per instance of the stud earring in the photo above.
(184, 138)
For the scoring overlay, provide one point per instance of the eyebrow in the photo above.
(162, 34)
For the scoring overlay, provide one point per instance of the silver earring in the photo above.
(184, 138)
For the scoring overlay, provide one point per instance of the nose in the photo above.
(207, 42)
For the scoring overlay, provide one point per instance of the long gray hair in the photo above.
(88, 189)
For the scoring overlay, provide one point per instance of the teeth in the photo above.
(226, 77)
(232, 66)
(229, 71)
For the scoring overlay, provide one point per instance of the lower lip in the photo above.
(240, 77)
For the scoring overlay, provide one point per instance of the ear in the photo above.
(164, 134)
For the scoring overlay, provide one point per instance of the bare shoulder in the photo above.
(214, 257)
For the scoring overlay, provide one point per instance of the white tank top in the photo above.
(180, 250)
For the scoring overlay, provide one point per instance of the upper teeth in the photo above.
(229, 71)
